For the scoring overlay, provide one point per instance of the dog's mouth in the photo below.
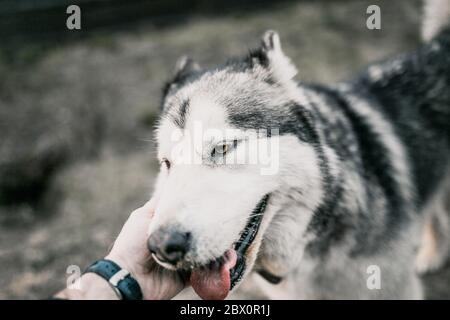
(217, 278)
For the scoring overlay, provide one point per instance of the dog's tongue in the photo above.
(213, 283)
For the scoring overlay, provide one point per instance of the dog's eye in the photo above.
(166, 163)
(222, 148)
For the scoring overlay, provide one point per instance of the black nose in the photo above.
(169, 245)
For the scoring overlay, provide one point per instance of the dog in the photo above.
(357, 203)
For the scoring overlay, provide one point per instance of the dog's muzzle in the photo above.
(213, 280)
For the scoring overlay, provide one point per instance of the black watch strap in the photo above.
(121, 280)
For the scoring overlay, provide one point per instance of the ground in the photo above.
(95, 101)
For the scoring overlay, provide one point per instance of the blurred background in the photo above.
(77, 108)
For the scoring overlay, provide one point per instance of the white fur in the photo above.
(213, 202)
(281, 66)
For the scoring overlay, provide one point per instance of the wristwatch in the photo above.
(120, 280)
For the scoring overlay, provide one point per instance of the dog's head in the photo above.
(228, 141)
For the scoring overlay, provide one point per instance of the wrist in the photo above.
(120, 260)
(127, 265)
(116, 272)
(90, 286)
(95, 287)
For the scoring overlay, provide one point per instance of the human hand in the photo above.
(130, 252)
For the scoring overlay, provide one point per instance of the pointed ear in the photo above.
(184, 67)
(280, 65)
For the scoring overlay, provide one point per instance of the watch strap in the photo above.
(123, 283)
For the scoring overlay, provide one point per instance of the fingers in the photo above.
(147, 209)
(150, 206)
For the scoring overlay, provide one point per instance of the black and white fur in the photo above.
(364, 169)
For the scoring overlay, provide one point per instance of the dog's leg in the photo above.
(435, 246)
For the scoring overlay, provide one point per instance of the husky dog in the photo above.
(358, 203)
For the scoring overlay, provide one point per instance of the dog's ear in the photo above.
(280, 66)
(184, 67)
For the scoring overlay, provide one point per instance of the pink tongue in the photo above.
(214, 283)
